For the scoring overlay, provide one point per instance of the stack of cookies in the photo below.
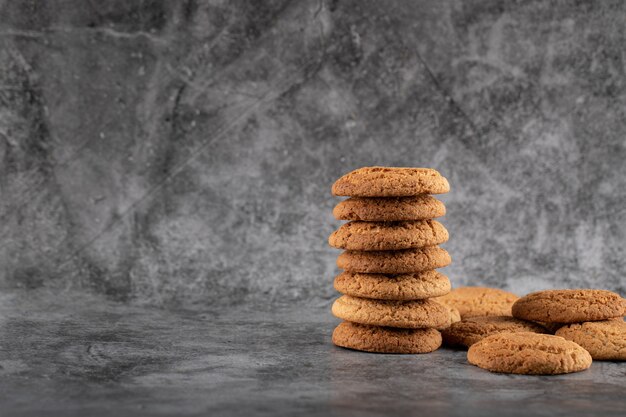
(391, 253)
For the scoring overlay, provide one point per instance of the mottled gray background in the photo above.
(181, 153)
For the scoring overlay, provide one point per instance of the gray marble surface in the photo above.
(181, 153)
(72, 354)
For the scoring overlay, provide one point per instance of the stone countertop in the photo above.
(75, 354)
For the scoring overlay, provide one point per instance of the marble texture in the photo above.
(72, 354)
(180, 153)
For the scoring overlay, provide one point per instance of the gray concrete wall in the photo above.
(182, 153)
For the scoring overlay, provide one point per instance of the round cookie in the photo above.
(413, 286)
(528, 354)
(367, 236)
(479, 301)
(405, 314)
(394, 262)
(471, 330)
(390, 182)
(604, 340)
(381, 209)
(385, 339)
(569, 306)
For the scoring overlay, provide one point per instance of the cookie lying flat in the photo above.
(390, 182)
(414, 286)
(394, 262)
(471, 330)
(376, 209)
(528, 354)
(479, 301)
(366, 236)
(604, 340)
(569, 306)
(386, 339)
(405, 314)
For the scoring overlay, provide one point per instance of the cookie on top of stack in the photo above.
(390, 255)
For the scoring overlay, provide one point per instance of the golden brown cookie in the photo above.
(413, 286)
(406, 314)
(604, 340)
(390, 182)
(358, 235)
(385, 339)
(471, 330)
(569, 306)
(455, 316)
(479, 301)
(388, 209)
(394, 262)
(528, 354)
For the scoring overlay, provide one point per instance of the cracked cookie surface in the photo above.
(471, 330)
(479, 301)
(385, 209)
(390, 182)
(604, 340)
(569, 306)
(394, 262)
(528, 354)
(404, 314)
(413, 286)
(385, 339)
(368, 236)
